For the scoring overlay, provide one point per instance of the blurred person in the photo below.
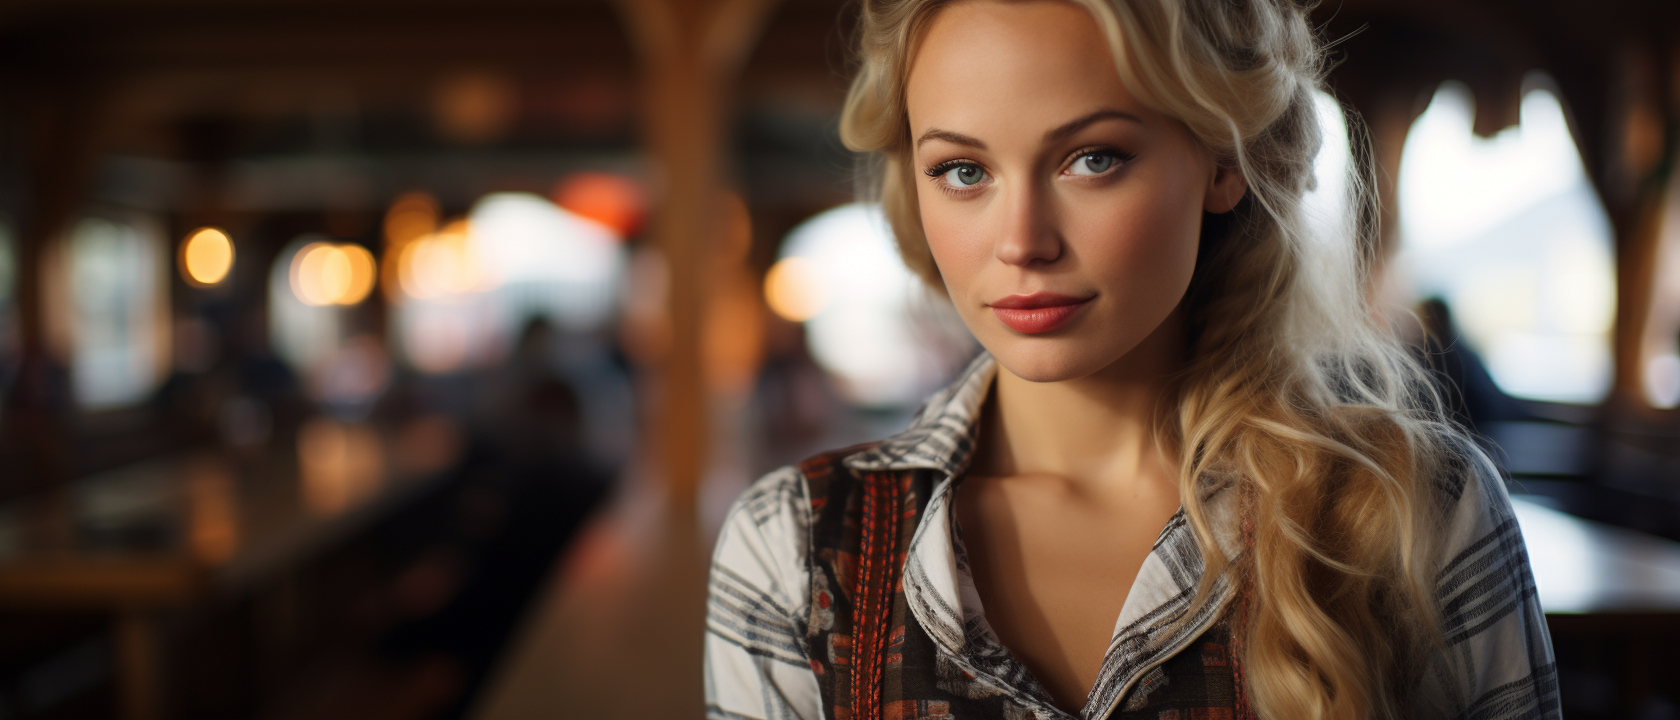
(1179, 421)
(38, 403)
(226, 383)
(796, 398)
(529, 412)
(1471, 394)
(528, 482)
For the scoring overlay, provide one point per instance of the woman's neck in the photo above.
(1096, 433)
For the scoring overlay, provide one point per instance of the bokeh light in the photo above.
(611, 200)
(441, 264)
(206, 257)
(475, 107)
(1662, 381)
(878, 331)
(794, 289)
(325, 273)
(302, 333)
(340, 464)
(467, 288)
(1326, 208)
(362, 274)
(411, 216)
(320, 273)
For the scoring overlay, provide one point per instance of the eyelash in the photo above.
(938, 171)
(1122, 157)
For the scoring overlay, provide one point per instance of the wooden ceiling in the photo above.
(156, 58)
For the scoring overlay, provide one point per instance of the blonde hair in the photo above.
(1327, 426)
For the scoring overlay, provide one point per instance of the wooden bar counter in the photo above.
(166, 534)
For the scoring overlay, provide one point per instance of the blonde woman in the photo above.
(1191, 477)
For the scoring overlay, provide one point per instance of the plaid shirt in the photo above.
(758, 655)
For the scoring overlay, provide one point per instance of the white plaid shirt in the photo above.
(757, 661)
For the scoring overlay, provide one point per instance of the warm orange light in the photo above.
(412, 216)
(476, 107)
(611, 200)
(212, 512)
(320, 273)
(363, 271)
(793, 289)
(440, 265)
(206, 257)
(325, 273)
(340, 465)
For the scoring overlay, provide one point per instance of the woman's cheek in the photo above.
(1154, 236)
(956, 250)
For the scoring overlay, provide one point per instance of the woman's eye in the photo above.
(965, 175)
(1094, 164)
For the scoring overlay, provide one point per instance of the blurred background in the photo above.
(399, 358)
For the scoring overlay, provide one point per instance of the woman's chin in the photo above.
(1043, 362)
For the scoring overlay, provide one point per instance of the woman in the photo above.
(1186, 417)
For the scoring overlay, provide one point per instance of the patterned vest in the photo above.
(874, 661)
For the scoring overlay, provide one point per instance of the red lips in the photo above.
(1038, 312)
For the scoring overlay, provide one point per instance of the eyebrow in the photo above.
(1069, 128)
(1061, 132)
(954, 138)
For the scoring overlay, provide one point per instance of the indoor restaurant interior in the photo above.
(399, 359)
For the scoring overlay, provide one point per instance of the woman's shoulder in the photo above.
(756, 654)
(1470, 491)
(770, 515)
(1476, 526)
(1490, 614)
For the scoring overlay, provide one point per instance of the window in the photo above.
(117, 311)
(868, 321)
(1508, 231)
(467, 287)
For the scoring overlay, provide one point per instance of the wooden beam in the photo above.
(690, 53)
(61, 119)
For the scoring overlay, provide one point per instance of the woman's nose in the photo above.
(1028, 235)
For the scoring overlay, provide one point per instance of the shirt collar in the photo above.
(941, 437)
(1158, 617)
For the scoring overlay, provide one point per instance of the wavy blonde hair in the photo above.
(1329, 428)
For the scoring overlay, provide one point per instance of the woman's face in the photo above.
(1063, 214)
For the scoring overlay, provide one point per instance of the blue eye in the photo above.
(965, 175)
(1094, 164)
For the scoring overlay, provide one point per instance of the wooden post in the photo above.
(139, 672)
(59, 131)
(690, 53)
(1643, 111)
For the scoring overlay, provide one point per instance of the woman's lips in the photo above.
(1038, 312)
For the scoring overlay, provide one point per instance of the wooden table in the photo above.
(1582, 567)
(1612, 602)
(162, 534)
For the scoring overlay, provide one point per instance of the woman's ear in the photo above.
(1224, 190)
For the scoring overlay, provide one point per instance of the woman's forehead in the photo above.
(1011, 65)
